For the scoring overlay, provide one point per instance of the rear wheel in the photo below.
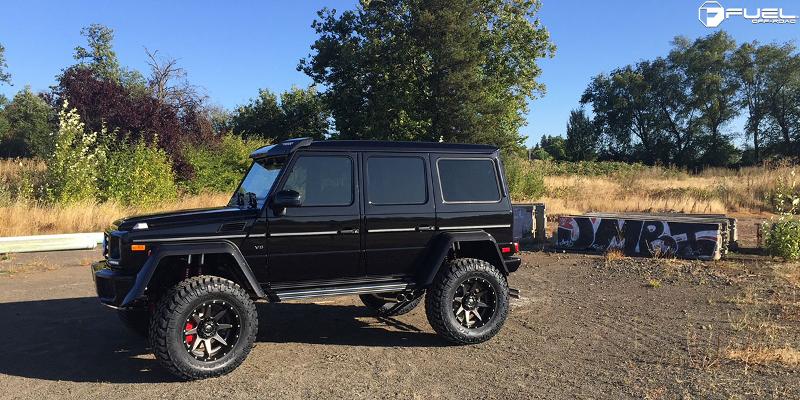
(387, 305)
(203, 327)
(468, 301)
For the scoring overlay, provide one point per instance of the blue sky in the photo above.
(232, 49)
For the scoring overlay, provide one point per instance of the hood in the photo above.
(168, 219)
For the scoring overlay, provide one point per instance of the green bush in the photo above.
(782, 238)
(785, 198)
(138, 175)
(219, 167)
(72, 170)
(525, 180)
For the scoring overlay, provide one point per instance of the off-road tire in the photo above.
(137, 320)
(177, 305)
(385, 308)
(439, 300)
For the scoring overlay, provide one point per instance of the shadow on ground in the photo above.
(80, 340)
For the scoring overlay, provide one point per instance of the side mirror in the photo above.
(285, 199)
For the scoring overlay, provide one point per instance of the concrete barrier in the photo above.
(674, 235)
(529, 222)
(69, 241)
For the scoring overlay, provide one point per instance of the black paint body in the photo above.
(355, 247)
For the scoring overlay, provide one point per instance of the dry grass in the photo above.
(24, 218)
(713, 191)
(787, 356)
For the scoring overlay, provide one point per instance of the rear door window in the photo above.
(468, 180)
(396, 181)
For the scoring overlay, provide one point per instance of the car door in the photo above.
(399, 211)
(320, 239)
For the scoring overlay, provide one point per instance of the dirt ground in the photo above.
(586, 327)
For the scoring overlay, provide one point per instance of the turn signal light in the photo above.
(138, 247)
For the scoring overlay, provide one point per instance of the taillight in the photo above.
(505, 250)
(516, 247)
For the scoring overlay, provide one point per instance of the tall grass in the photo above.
(20, 218)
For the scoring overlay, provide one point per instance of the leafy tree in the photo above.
(430, 69)
(304, 114)
(555, 146)
(628, 112)
(538, 153)
(260, 117)
(750, 63)
(783, 97)
(706, 64)
(300, 113)
(582, 137)
(5, 77)
(29, 118)
(100, 56)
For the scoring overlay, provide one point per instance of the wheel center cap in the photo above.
(207, 329)
(470, 302)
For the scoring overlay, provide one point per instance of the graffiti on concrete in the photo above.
(638, 237)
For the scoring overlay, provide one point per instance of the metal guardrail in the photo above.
(69, 241)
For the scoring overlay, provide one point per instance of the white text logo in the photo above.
(712, 13)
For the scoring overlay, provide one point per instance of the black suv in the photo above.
(389, 221)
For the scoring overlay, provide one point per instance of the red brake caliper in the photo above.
(189, 338)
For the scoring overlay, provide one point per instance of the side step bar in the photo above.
(288, 294)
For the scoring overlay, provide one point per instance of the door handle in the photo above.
(348, 231)
(424, 228)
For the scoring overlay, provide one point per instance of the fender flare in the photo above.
(440, 246)
(178, 249)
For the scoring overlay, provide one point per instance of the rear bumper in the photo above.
(512, 263)
(112, 286)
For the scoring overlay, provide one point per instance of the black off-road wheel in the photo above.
(203, 327)
(468, 301)
(137, 320)
(383, 307)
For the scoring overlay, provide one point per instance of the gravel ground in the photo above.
(586, 327)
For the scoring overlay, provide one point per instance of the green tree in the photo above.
(582, 137)
(783, 98)
(706, 64)
(300, 113)
(260, 117)
(29, 118)
(100, 56)
(556, 146)
(5, 77)
(430, 69)
(304, 114)
(750, 63)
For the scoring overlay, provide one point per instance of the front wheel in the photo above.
(203, 327)
(468, 301)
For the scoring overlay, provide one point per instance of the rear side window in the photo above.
(396, 180)
(468, 180)
(322, 180)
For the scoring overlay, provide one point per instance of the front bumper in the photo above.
(112, 286)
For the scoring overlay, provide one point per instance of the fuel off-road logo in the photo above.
(712, 13)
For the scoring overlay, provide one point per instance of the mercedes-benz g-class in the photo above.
(392, 222)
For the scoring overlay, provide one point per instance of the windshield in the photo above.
(258, 181)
